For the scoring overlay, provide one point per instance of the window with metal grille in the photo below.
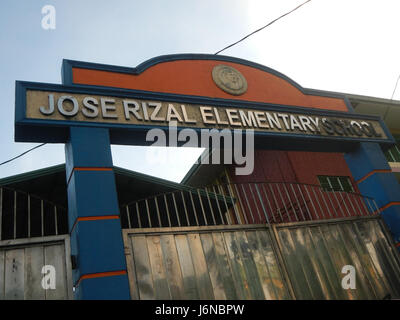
(23, 215)
(336, 183)
(393, 154)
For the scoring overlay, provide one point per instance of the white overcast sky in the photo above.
(348, 46)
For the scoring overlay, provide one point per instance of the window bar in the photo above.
(290, 201)
(262, 204)
(209, 203)
(356, 199)
(332, 206)
(351, 202)
(341, 195)
(255, 201)
(323, 198)
(284, 204)
(42, 217)
(364, 206)
(344, 202)
(330, 184)
(378, 210)
(184, 208)
(298, 202)
(128, 216)
(391, 156)
(269, 203)
(194, 208)
(158, 212)
(291, 204)
(55, 220)
(138, 215)
(15, 215)
(148, 213)
(1, 211)
(363, 200)
(176, 209)
(166, 207)
(398, 152)
(247, 202)
(334, 193)
(237, 215)
(202, 208)
(369, 205)
(228, 216)
(29, 216)
(317, 200)
(301, 192)
(338, 203)
(312, 202)
(218, 206)
(276, 203)
(244, 213)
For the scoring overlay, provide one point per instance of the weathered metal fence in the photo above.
(258, 241)
(23, 215)
(231, 241)
(251, 203)
(301, 260)
(208, 262)
(314, 254)
(33, 234)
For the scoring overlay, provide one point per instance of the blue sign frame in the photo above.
(57, 131)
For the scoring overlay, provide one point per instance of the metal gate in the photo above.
(258, 241)
(288, 261)
(314, 254)
(204, 263)
(21, 263)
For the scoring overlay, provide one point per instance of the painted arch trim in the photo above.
(70, 68)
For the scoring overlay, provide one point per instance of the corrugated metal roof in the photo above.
(50, 184)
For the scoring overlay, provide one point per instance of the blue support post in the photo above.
(93, 213)
(375, 179)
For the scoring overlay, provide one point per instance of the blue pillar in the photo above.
(375, 179)
(93, 213)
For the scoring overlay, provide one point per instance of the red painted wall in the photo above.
(294, 166)
(193, 77)
(308, 165)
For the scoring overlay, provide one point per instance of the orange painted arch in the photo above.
(194, 77)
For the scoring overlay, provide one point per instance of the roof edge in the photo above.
(32, 174)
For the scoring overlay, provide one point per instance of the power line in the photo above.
(250, 34)
(38, 146)
(395, 87)
(231, 45)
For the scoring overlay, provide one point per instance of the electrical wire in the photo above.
(250, 34)
(395, 87)
(227, 47)
(38, 146)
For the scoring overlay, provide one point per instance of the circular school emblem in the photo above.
(229, 79)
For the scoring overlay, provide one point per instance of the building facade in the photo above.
(324, 193)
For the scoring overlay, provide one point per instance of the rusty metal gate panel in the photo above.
(301, 260)
(21, 263)
(314, 254)
(208, 262)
